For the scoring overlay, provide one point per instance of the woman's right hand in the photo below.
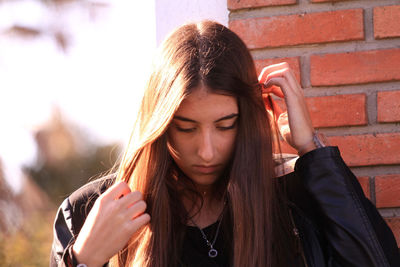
(278, 79)
(116, 215)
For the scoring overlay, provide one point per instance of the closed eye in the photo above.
(225, 128)
(185, 130)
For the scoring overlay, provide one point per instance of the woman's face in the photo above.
(202, 134)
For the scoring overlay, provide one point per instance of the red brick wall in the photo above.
(346, 54)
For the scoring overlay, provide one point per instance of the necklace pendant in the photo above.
(212, 253)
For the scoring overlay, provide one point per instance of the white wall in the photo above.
(173, 13)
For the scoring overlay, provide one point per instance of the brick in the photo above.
(387, 188)
(388, 104)
(386, 22)
(394, 224)
(339, 110)
(323, 1)
(288, 30)
(355, 68)
(286, 148)
(366, 150)
(364, 182)
(293, 62)
(238, 4)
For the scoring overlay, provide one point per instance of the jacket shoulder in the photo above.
(81, 201)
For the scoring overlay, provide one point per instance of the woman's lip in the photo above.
(206, 169)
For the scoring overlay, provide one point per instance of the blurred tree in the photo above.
(10, 212)
(68, 158)
(25, 225)
(30, 246)
(51, 26)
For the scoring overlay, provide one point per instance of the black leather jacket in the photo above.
(337, 224)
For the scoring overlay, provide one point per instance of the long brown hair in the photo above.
(210, 54)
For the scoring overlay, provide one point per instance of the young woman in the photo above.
(197, 186)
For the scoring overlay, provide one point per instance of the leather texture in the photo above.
(336, 223)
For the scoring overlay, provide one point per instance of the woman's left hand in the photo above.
(278, 79)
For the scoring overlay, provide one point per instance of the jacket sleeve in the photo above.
(63, 237)
(70, 218)
(356, 232)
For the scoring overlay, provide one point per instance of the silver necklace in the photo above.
(212, 253)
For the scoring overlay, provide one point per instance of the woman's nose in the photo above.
(206, 147)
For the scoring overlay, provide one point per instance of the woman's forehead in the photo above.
(201, 104)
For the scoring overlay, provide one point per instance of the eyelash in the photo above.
(185, 130)
(192, 129)
(228, 127)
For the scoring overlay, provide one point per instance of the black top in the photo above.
(195, 249)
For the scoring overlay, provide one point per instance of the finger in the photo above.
(116, 191)
(271, 68)
(282, 82)
(139, 221)
(287, 74)
(291, 89)
(136, 209)
(276, 90)
(130, 199)
(294, 100)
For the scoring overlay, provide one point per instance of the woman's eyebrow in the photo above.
(233, 115)
(180, 118)
(230, 116)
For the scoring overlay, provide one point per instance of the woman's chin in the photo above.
(204, 180)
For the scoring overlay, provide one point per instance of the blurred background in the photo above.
(71, 78)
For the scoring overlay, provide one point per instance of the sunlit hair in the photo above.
(211, 55)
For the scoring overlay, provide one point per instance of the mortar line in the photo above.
(354, 130)
(305, 8)
(305, 71)
(325, 48)
(389, 212)
(371, 108)
(362, 88)
(375, 170)
(368, 24)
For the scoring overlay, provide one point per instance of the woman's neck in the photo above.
(207, 212)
